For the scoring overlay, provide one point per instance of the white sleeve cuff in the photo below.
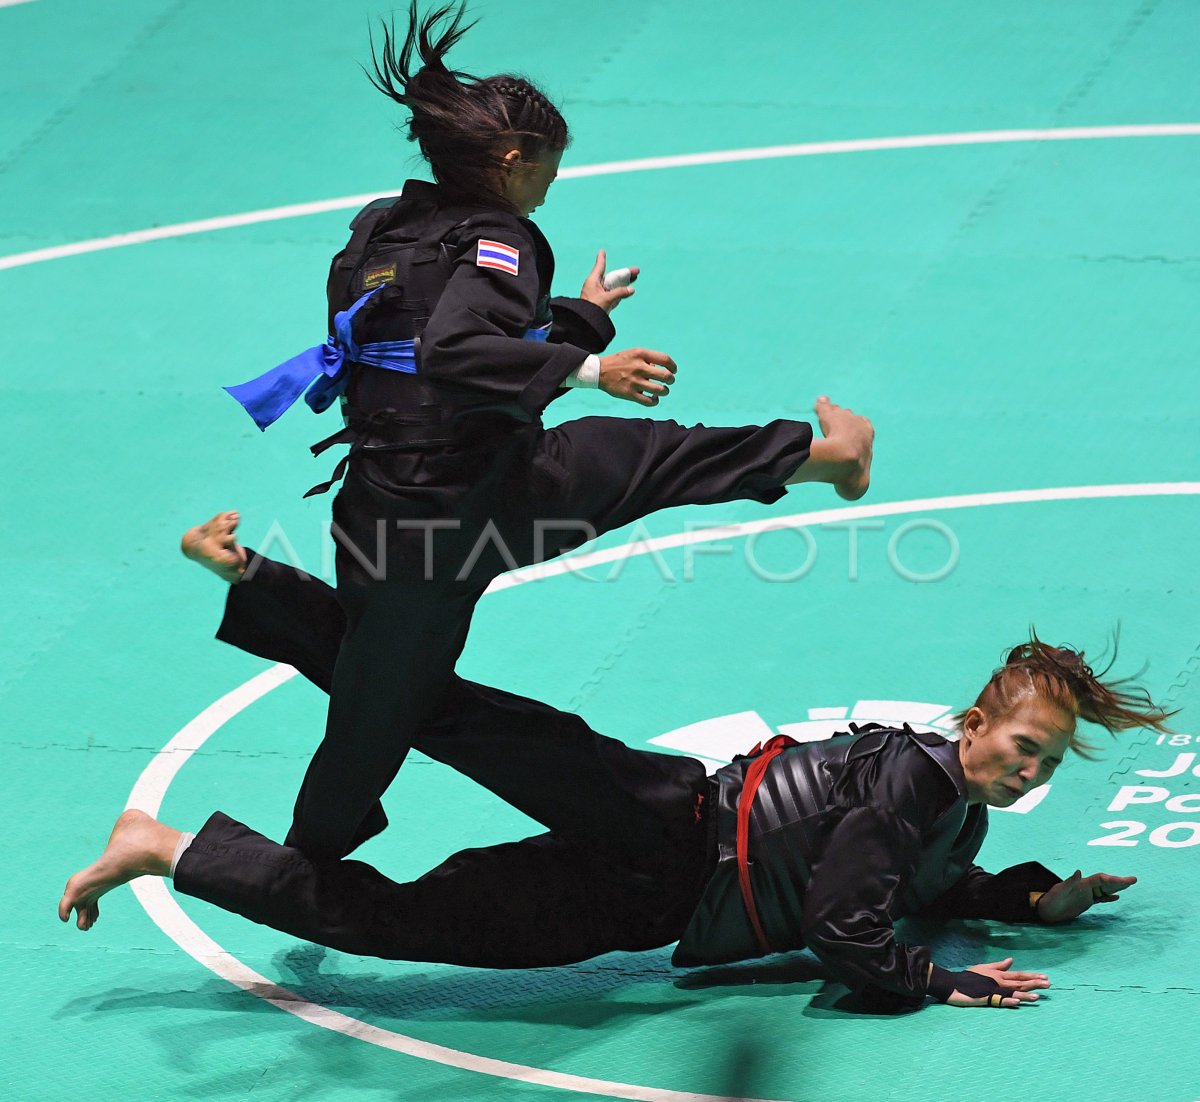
(586, 374)
(181, 848)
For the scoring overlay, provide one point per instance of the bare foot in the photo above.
(857, 437)
(214, 546)
(138, 846)
(843, 457)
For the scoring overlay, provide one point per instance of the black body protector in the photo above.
(846, 836)
(409, 268)
(407, 262)
(479, 380)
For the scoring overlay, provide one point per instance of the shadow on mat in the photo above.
(585, 995)
(793, 975)
(955, 945)
(576, 996)
(793, 968)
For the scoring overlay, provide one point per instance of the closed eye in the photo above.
(1031, 750)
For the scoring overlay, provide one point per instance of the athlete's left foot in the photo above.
(215, 547)
(138, 846)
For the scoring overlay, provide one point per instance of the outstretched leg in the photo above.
(542, 901)
(615, 470)
(539, 902)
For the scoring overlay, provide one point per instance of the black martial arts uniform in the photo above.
(452, 480)
(845, 837)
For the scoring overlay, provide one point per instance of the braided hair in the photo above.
(463, 124)
(1060, 676)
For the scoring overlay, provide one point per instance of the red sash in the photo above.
(763, 754)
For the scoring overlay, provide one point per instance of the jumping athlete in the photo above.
(445, 349)
(821, 845)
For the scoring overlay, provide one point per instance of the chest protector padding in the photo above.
(410, 265)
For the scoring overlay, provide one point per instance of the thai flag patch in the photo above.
(492, 254)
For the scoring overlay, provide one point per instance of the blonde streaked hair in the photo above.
(1061, 676)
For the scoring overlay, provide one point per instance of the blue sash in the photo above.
(322, 370)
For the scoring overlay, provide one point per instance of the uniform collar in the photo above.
(944, 752)
(425, 193)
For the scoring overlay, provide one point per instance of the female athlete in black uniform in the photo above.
(446, 349)
(838, 839)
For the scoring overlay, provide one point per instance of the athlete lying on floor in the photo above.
(838, 839)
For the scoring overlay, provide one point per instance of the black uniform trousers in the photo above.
(623, 866)
(511, 498)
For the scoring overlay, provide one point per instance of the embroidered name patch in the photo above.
(493, 254)
(375, 277)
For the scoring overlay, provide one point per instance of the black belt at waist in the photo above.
(384, 431)
(387, 430)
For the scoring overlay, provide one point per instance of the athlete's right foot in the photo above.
(855, 436)
(214, 546)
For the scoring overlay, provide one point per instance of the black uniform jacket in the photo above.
(472, 350)
(846, 836)
(460, 440)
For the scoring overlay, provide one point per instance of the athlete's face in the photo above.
(528, 181)
(1004, 757)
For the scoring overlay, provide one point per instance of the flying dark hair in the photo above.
(1060, 676)
(463, 124)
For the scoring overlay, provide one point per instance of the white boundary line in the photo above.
(645, 164)
(153, 895)
(151, 787)
(572, 563)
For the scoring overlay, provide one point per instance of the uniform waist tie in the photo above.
(342, 436)
(322, 369)
(385, 430)
(763, 754)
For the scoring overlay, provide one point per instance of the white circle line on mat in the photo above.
(151, 787)
(610, 168)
